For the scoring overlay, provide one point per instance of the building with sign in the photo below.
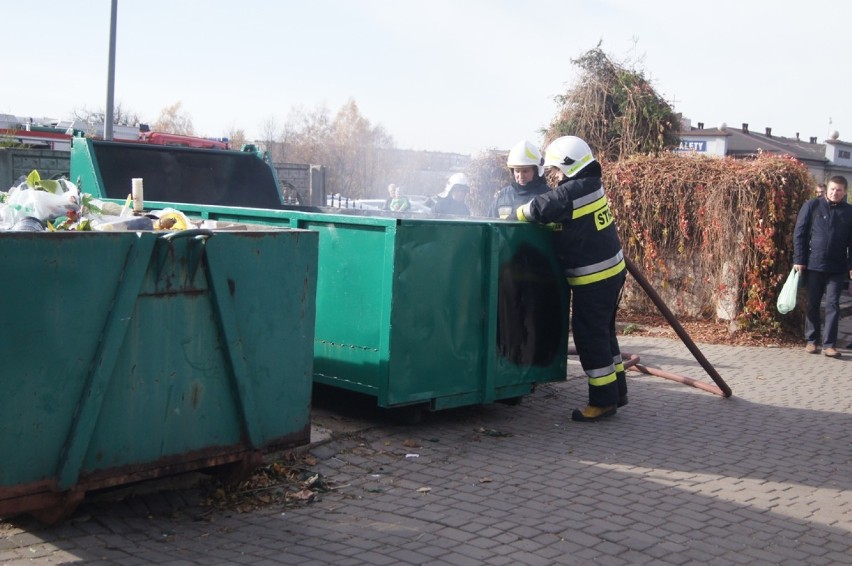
(824, 159)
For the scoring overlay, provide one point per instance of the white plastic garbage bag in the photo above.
(787, 296)
(43, 205)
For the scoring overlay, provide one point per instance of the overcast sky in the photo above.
(442, 75)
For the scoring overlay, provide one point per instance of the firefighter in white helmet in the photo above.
(525, 162)
(590, 253)
(452, 199)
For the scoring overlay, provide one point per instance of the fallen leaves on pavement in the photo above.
(286, 482)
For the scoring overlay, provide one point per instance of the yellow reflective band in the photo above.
(595, 267)
(589, 208)
(519, 214)
(599, 381)
(619, 367)
(603, 218)
(599, 276)
(578, 165)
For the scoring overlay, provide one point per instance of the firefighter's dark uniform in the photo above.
(510, 197)
(590, 252)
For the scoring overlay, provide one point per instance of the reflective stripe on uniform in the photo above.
(598, 381)
(597, 271)
(589, 203)
(601, 376)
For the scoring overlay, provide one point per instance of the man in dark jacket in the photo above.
(822, 241)
(525, 162)
(590, 253)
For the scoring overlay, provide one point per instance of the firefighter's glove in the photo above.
(523, 213)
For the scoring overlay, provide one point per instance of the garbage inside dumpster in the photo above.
(37, 199)
(35, 204)
(134, 354)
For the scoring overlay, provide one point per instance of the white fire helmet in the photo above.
(524, 154)
(456, 179)
(569, 154)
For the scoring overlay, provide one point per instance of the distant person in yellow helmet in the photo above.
(525, 163)
(590, 253)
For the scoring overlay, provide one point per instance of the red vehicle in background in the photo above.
(160, 138)
(46, 133)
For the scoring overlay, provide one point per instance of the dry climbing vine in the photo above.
(718, 225)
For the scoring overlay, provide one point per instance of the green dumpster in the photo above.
(128, 356)
(416, 311)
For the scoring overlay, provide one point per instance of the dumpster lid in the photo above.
(186, 175)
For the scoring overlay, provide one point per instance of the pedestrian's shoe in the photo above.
(622, 401)
(831, 353)
(591, 413)
(811, 348)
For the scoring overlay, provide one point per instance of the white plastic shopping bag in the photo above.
(787, 296)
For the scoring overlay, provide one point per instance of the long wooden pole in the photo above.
(676, 325)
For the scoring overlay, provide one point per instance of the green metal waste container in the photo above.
(436, 313)
(442, 313)
(128, 356)
(415, 311)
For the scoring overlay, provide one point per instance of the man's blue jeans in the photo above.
(817, 283)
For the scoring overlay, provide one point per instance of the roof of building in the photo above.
(743, 142)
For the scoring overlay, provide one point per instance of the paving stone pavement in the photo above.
(679, 476)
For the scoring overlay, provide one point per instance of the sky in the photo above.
(458, 76)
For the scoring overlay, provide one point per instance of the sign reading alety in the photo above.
(693, 145)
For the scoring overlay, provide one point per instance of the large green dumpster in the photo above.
(416, 311)
(128, 356)
(201, 176)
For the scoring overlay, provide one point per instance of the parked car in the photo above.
(368, 203)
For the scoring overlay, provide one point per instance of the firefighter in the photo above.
(525, 163)
(452, 200)
(590, 252)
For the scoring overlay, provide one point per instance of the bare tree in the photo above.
(355, 143)
(269, 131)
(488, 174)
(174, 120)
(271, 135)
(306, 134)
(120, 116)
(348, 145)
(236, 138)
